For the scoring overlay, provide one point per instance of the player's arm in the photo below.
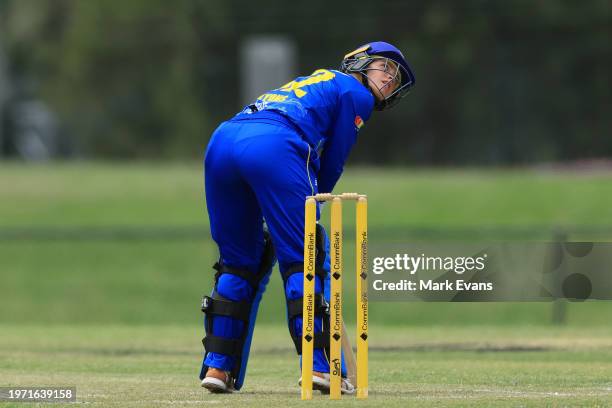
(342, 137)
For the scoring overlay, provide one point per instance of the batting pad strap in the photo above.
(216, 344)
(321, 308)
(252, 278)
(224, 307)
(321, 340)
(299, 268)
(295, 306)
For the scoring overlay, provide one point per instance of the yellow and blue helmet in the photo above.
(359, 60)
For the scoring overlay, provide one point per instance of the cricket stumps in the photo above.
(336, 323)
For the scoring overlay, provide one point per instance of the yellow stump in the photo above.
(362, 296)
(335, 338)
(308, 332)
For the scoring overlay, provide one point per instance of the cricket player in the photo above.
(259, 167)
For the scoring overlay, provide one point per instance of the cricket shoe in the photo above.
(320, 381)
(218, 381)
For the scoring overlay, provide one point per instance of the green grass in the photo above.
(145, 282)
(102, 267)
(91, 194)
(93, 278)
(94, 194)
(145, 366)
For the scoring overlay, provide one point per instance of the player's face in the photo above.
(384, 77)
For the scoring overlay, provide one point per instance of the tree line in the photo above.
(498, 82)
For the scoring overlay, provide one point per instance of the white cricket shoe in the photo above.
(320, 381)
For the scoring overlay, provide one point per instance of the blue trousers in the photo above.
(258, 169)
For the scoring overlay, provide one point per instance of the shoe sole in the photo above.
(216, 386)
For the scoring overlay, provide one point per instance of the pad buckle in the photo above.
(205, 303)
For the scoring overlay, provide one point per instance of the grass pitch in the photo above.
(478, 366)
(102, 267)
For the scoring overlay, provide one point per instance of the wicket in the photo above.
(335, 340)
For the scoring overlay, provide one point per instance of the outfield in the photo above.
(103, 266)
(437, 366)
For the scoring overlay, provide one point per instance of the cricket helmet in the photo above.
(359, 61)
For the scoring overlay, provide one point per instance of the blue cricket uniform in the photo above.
(261, 164)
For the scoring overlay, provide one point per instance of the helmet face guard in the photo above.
(360, 61)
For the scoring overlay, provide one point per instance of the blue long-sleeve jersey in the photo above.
(329, 108)
(256, 167)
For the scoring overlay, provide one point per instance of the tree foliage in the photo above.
(497, 82)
